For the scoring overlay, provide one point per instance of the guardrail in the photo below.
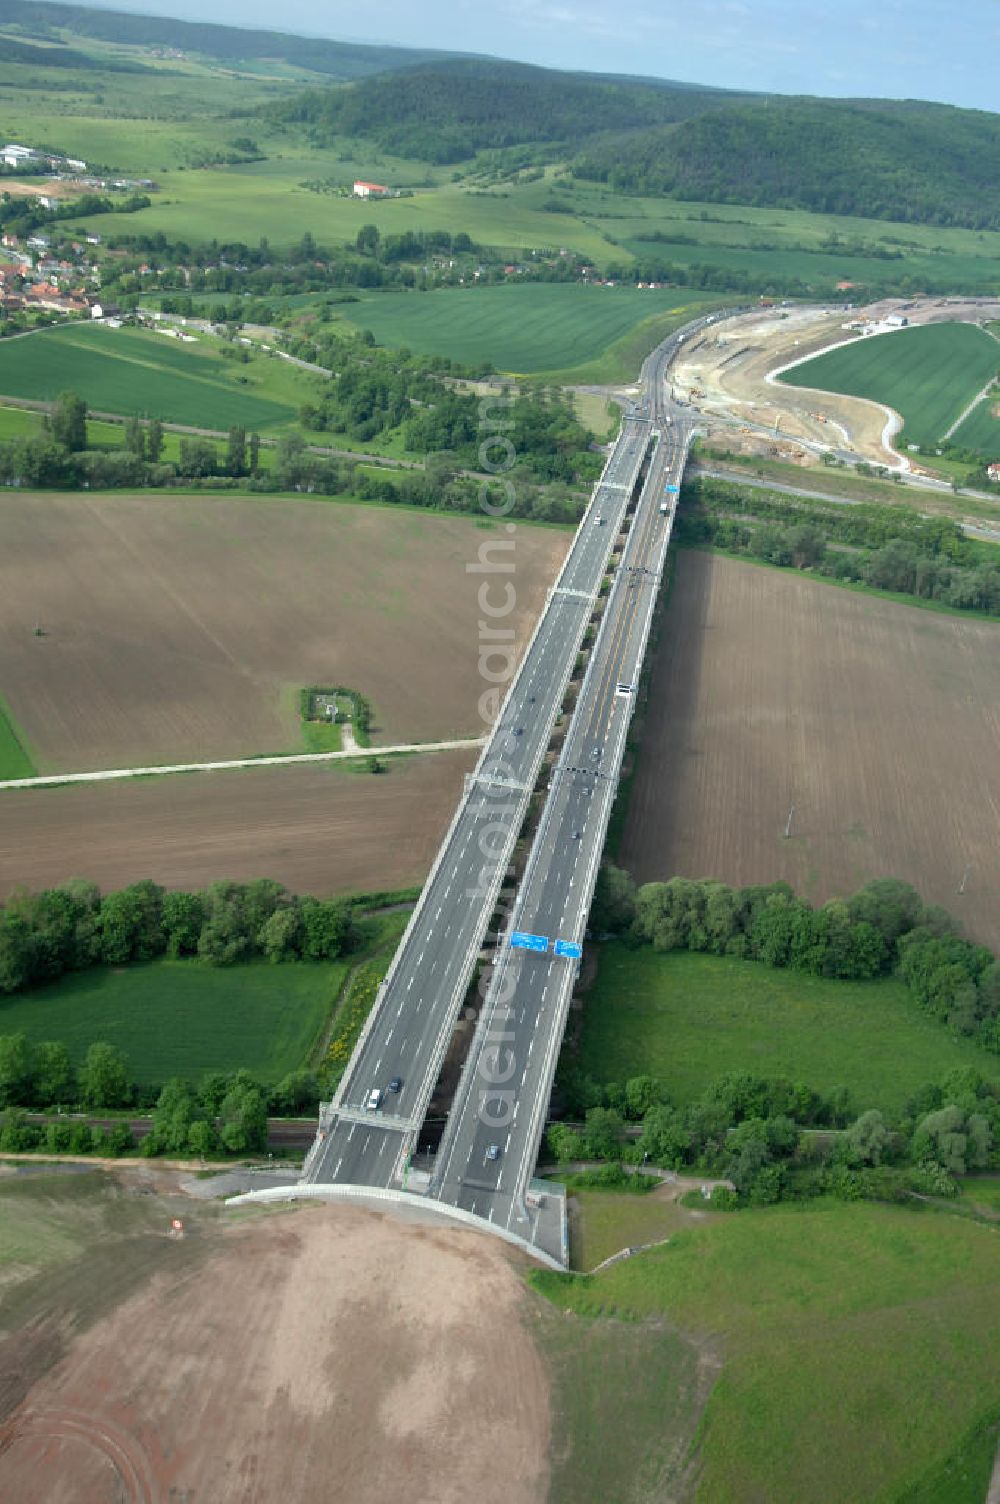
(376, 1196)
(518, 810)
(609, 791)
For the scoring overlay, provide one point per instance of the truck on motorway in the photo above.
(664, 508)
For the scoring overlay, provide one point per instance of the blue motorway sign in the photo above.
(567, 948)
(673, 490)
(522, 941)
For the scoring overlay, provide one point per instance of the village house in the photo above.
(369, 190)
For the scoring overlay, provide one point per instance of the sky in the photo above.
(947, 50)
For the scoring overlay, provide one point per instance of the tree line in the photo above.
(777, 1140)
(551, 445)
(73, 927)
(753, 1130)
(226, 1112)
(887, 548)
(884, 929)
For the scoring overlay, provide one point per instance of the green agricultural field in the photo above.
(535, 328)
(137, 371)
(690, 1018)
(856, 1347)
(981, 429)
(182, 1018)
(14, 759)
(928, 374)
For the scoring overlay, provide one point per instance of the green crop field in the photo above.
(537, 327)
(690, 1018)
(981, 429)
(928, 374)
(857, 1349)
(136, 371)
(14, 759)
(182, 1018)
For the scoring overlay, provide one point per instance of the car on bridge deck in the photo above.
(374, 1100)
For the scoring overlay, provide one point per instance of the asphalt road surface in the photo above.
(491, 1141)
(411, 1024)
(487, 1156)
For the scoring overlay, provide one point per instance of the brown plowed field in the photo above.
(314, 829)
(180, 629)
(324, 1353)
(879, 722)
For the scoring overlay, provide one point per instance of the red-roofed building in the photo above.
(369, 190)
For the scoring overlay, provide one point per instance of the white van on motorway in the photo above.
(374, 1100)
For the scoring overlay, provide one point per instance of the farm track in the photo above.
(106, 775)
(224, 607)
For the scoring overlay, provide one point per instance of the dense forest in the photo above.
(925, 163)
(446, 112)
(899, 160)
(341, 60)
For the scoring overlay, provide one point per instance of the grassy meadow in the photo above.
(529, 329)
(690, 1018)
(981, 429)
(15, 761)
(183, 1018)
(853, 1350)
(137, 371)
(928, 374)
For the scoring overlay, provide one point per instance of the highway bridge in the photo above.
(486, 1158)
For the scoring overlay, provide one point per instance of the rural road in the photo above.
(104, 775)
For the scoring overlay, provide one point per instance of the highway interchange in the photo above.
(486, 1158)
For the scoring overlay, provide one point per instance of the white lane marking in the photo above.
(336, 1168)
(351, 1134)
(390, 1034)
(492, 1209)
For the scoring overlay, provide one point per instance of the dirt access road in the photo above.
(724, 373)
(181, 629)
(322, 1353)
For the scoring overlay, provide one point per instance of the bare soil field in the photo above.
(316, 829)
(879, 722)
(724, 373)
(318, 1353)
(179, 629)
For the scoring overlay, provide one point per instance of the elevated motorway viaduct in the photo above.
(486, 1157)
